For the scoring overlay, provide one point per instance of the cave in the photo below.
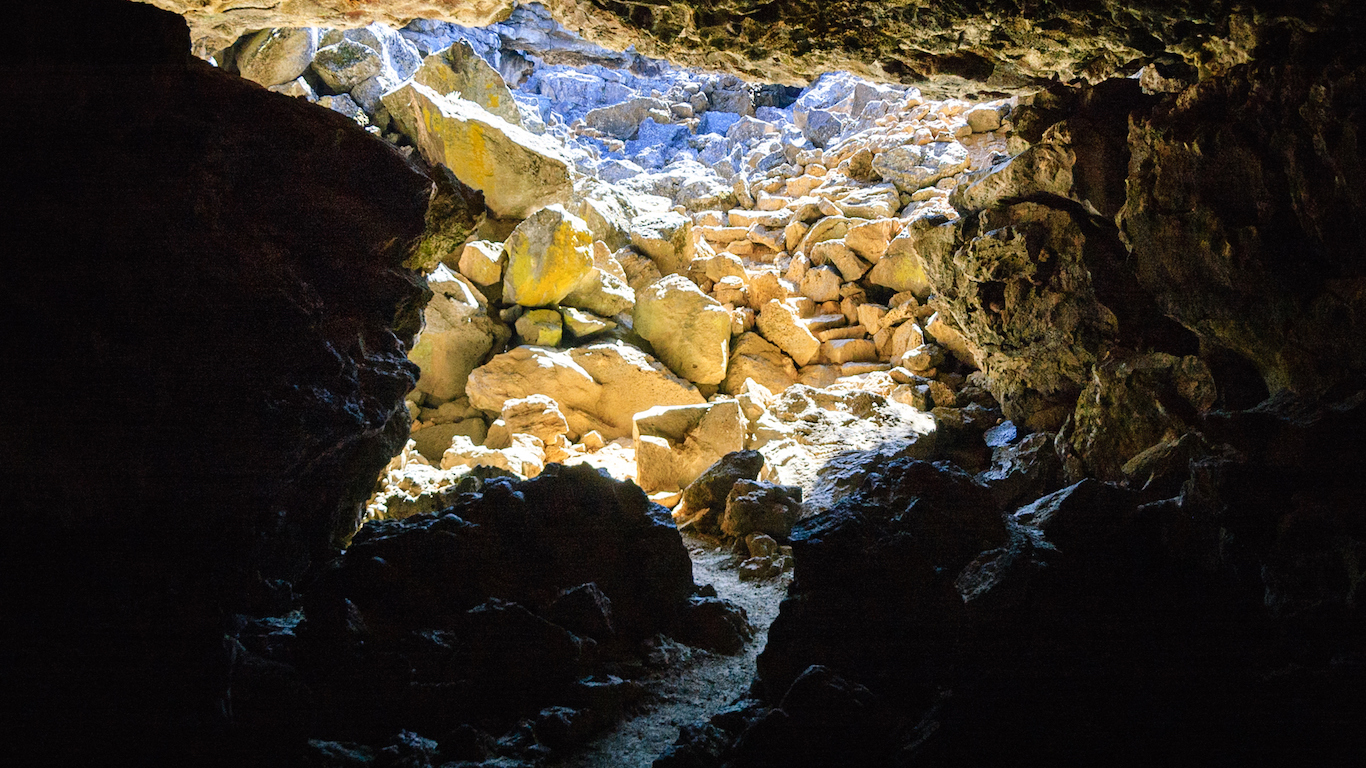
(1103, 509)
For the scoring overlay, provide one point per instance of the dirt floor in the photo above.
(696, 683)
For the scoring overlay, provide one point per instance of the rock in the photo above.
(433, 441)
(345, 105)
(911, 167)
(523, 456)
(836, 253)
(821, 284)
(583, 324)
(666, 238)
(344, 65)
(455, 212)
(517, 171)
(623, 119)
(548, 256)
(838, 351)
(779, 323)
(758, 507)
(640, 270)
(598, 387)
(602, 293)
(458, 71)
(689, 330)
(870, 239)
(985, 118)
(821, 126)
(676, 444)
(277, 56)
(704, 499)
(951, 339)
(298, 88)
(458, 336)
(757, 359)
(536, 415)
(901, 272)
(1023, 470)
(542, 327)
(482, 262)
(1042, 169)
(921, 358)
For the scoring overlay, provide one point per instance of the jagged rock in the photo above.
(755, 358)
(754, 506)
(870, 239)
(277, 56)
(548, 255)
(432, 441)
(623, 119)
(344, 65)
(911, 167)
(704, 499)
(779, 323)
(542, 327)
(676, 444)
(583, 324)
(666, 238)
(1022, 470)
(598, 387)
(459, 71)
(602, 293)
(689, 330)
(458, 335)
(517, 171)
(482, 262)
(456, 212)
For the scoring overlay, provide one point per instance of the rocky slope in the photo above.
(1071, 385)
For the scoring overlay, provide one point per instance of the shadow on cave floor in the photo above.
(695, 684)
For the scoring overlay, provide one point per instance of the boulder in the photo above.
(622, 120)
(482, 262)
(666, 238)
(704, 499)
(754, 506)
(458, 335)
(676, 444)
(459, 71)
(548, 255)
(757, 359)
(598, 387)
(778, 322)
(912, 167)
(689, 330)
(542, 327)
(277, 56)
(344, 65)
(901, 272)
(518, 171)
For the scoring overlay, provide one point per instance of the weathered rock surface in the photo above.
(548, 255)
(689, 330)
(277, 56)
(676, 444)
(517, 171)
(459, 71)
(458, 335)
(598, 387)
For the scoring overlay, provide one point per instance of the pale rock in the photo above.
(901, 272)
(870, 316)
(765, 287)
(870, 239)
(839, 351)
(846, 332)
(756, 360)
(346, 64)
(797, 268)
(911, 167)
(818, 376)
(950, 338)
(273, 57)
(772, 219)
(536, 415)
(548, 255)
(723, 265)
(581, 324)
(608, 218)
(731, 290)
(623, 119)
(542, 327)
(793, 234)
(640, 270)
(482, 261)
(433, 441)
(906, 337)
(922, 358)
(770, 238)
(985, 118)
(457, 335)
(598, 387)
(592, 441)
(709, 219)
(459, 71)
(666, 238)
(740, 248)
(722, 234)
(518, 171)
(779, 323)
(842, 257)
(676, 444)
(525, 457)
(828, 228)
(602, 292)
(821, 284)
(689, 330)
(876, 202)
(345, 105)
(298, 88)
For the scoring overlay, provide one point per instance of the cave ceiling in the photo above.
(948, 46)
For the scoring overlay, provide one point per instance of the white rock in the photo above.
(676, 444)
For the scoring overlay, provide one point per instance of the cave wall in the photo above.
(206, 311)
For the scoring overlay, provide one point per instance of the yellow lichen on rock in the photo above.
(548, 255)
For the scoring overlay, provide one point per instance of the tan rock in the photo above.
(518, 171)
(689, 330)
(536, 415)
(601, 293)
(901, 272)
(277, 56)
(821, 284)
(549, 255)
(755, 359)
(666, 238)
(950, 338)
(765, 287)
(781, 325)
(838, 351)
(482, 261)
(640, 270)
(907, 336)
(676, 444)
(461, 72)
(598, 387)
(731, 290)
(582, 324)
(870, 239)
(457, 336)
(870, 316)
(542, 327)
(839, 255)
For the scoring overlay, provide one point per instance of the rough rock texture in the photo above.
(237, 300)
(995, 43)
(458, 335)
(689, 330)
